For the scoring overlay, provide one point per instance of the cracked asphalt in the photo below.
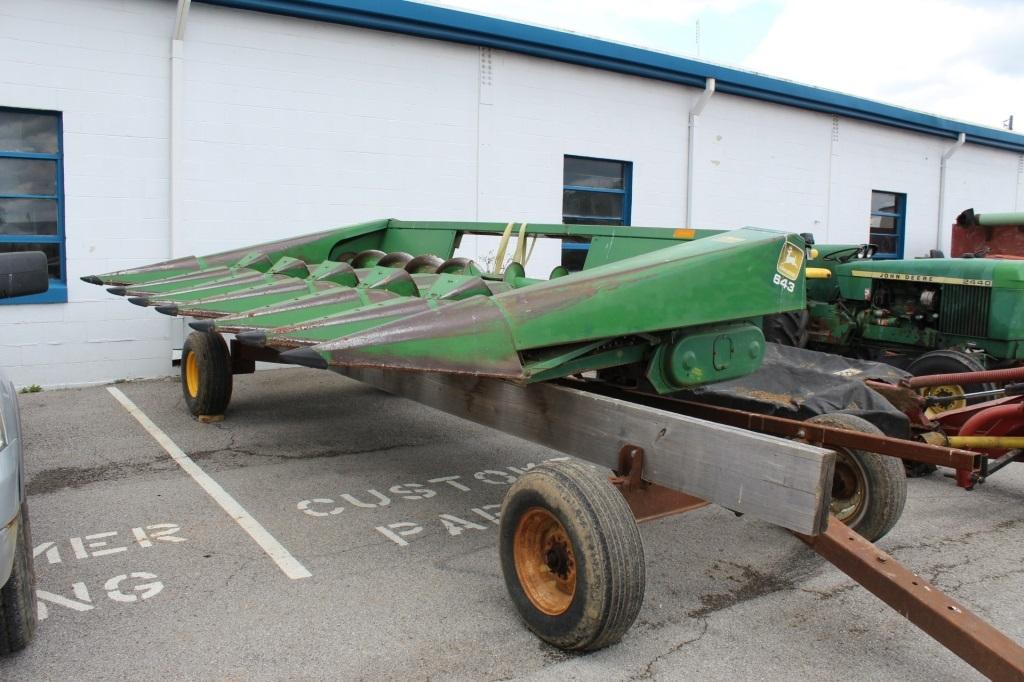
(391, 507)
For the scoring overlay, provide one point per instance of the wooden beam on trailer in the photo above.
(780, 481)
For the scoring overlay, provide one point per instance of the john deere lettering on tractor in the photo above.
(585, 363)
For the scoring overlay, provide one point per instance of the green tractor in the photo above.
(928, 316)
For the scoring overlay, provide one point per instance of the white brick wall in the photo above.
(104, 64)
(762, 165)
(291, 126)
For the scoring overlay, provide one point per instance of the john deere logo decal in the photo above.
(790, 261)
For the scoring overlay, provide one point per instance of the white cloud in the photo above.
(949, 58)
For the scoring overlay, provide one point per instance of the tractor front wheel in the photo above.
(868, 490)
(572, 556)
(206, 378)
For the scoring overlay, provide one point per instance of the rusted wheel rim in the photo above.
(545, 562)
(849, 488)
(192, 375)
(943, 392)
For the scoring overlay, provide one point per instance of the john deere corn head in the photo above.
(683, 306)
(583, 363)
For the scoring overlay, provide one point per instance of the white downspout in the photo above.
(174, 138)
(175, 133)
(698, 107)
(941, 227)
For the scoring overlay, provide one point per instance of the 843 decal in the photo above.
(784, 282)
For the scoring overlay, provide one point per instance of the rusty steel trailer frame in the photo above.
(951, 623)
(816, 434)
(531, 411)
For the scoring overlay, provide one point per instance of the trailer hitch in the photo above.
(648, 501)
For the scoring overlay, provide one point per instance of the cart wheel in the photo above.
(868, 490)
(572, 556)
(206, 373)
(948, 362)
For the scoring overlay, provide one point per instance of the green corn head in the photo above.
(674, 308)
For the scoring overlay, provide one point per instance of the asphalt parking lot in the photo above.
(389, 511)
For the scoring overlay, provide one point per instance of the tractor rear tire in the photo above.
(949, 362)
(869, 490)
(944, 362)
(18, 595)
(787, 329)
(206, 378)
(572, 556)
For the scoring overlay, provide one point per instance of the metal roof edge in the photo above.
(429, 21)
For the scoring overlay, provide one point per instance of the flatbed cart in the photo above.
(570, 549)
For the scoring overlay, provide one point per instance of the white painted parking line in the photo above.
(281, 556)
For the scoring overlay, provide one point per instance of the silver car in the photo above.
(21, 273)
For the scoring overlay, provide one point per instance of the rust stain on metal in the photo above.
(648, 501)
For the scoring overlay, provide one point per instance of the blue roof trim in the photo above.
(428, 21)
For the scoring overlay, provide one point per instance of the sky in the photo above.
(961, 59)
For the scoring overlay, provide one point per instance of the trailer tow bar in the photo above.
(950, 623)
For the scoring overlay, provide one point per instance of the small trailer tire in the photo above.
(572, 556)
(206, 378)
(869, 490)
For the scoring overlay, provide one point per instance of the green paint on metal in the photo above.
(345, 249)
(1005, 218)
(356, 320)
(418, 241)
(239, 282)
(725, 277)
(646, 297)
(602, 358)
(911, 306)
(296, 316)
(705, 355)
(605, 250)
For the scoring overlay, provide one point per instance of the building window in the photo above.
(32, 193)
(594, 192)
(888, 220)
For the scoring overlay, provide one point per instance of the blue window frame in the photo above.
(888, 223)
(594, 192)
(32, 193)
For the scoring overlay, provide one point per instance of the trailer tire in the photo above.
(18, 595)
(787, 329)
(206, 378)
(572, 556)
(869, 490)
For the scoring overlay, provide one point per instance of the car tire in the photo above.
(17, 597)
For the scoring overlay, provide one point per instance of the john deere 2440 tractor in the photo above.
(927, 315)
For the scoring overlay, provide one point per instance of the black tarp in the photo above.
(800, 384)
